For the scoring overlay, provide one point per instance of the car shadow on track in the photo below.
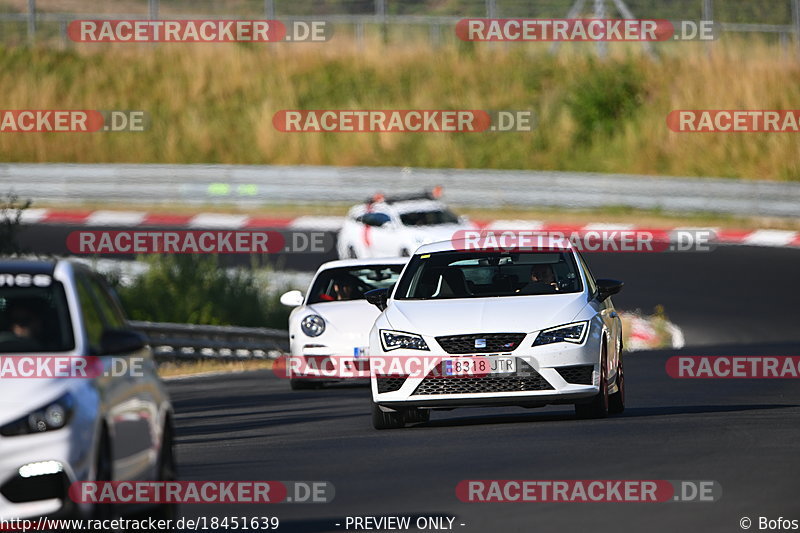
(567, 416)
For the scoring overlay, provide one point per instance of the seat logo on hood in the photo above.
(480, 343)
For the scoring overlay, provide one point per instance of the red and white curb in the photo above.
(641, 333)
(760, 237)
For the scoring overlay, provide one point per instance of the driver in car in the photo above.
(542, 280)
(25, 323)
(342, 289)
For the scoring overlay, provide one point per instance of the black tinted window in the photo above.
(428, 218)
(341, 284)
(112, 313)
(34, 318)
(481, 274)
(92, 318)
(375, 219)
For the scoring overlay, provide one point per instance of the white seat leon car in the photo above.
(492, 328)
(329, 327)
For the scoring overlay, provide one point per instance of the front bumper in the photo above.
(36, 471)
(550, 374)
(330, 363)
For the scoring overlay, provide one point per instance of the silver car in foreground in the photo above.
(108, 420)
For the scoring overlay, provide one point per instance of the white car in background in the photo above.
(526, 328)
(332, 321)
(58, 430)
(391, 226)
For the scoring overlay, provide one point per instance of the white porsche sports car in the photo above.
(389, 226)
(526, 328)
(329, 327)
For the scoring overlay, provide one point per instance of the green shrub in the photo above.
(603, 98)
(11, 208)
(195, 289)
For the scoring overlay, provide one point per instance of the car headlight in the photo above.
(392, 340)
(573, 333)
(313, 325)
(54, 415)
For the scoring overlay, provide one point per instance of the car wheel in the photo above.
(166, 472)
(382, 420)
(598, 407)
(103, 472)
(616, 402)
(302, 384)
(351, 253)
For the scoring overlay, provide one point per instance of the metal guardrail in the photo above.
(194, 342)
(259, 186)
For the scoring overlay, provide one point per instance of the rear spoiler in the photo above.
(433, 194)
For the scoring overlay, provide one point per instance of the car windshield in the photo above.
(428, 218)
(482, 274)
(342, 284)
(34, 318)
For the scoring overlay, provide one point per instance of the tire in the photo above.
(381, 420)
(616, 402)
(104, 472)
(166, 471)
(599, 406)
(302, 384)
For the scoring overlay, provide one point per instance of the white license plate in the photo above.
(479, 366)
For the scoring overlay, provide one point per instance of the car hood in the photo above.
(484, 315)
(350, 320)
(20, 396)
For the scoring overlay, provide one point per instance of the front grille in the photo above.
(579, 375)
(494, 342)
(526, 379)
(390, 384)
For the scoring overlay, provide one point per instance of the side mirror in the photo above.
(607, 287)
(292, 298)
(377, 297)
(116, 341)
